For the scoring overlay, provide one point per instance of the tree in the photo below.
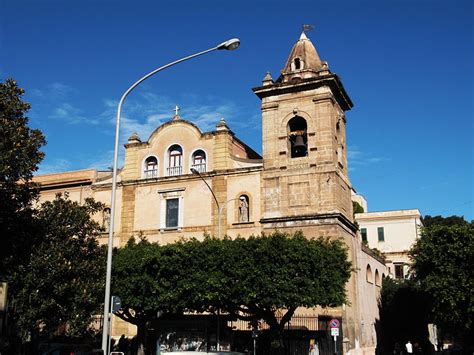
(19, 158)
(428, 220)
(252, 279)
(60, 287)
(442, 263)
(403, 315)
(357, 208)
(275, 274)
(136, 280)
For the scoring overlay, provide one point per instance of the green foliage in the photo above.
(61, 285)
(442, 262)
(403, 315)
(19, 157)
(250, 279)
(429, 221)
(357, 208)
(286, 271)
(49, 255)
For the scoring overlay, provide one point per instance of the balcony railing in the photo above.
(200, 167)
(150, 174)
(174, 170)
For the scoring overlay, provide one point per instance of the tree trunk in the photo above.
(277, 342)
(277, 330)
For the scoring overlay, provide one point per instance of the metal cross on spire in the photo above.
(176, 110)
(307, 27)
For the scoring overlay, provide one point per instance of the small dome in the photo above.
(134, 138)
(303, 58)
(267, 80)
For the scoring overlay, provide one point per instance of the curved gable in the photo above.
(179, 124)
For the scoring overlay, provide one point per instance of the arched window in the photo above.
(298, 137)
(150, 168)
(244, 209)
(175, 160)
(368, 274)
(377, 278)
(297, 64)
(199, 161)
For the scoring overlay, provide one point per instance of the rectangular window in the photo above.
(399, 274)
(381, 234)
(363, 234)
(172, 212)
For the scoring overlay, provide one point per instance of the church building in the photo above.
(182, 182)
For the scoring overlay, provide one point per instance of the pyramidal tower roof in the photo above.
(303, 61)
(304, 71)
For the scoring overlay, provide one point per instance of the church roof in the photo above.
(303, 57)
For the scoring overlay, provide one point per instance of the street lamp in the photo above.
(230, 44)
(219, 215)
(219, 207)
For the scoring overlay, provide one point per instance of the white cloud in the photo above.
(55, 166)
(356, 158)
(144, 114)
(70, 114)
(54, 91)
(104, 160)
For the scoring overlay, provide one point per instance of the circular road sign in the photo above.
(334, 323)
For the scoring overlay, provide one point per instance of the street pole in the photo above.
(228, 45)
(196, 172)
(219, 216)
(220, 208)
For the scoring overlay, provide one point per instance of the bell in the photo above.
(299, 148)
(299, 143)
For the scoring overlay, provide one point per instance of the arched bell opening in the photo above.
(298, 137)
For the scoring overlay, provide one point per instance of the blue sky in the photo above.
(407, 65)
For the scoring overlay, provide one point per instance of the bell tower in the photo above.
(305, 184)
(305, 181)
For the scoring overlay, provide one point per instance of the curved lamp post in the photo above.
(219, 215)
(231, 44)
(220, 208)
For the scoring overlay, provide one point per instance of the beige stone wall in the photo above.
(313, 184)
(243, 184)
(370, 273)
(178, 132)
(77, 184)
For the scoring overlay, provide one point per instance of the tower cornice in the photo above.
(330, 80)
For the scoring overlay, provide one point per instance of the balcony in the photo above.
(199, 167)
(174, 171)
(150, 174)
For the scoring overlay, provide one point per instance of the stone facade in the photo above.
(300, 183)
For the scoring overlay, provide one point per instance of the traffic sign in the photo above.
(335, 332)
(116, 304)
(334, 323)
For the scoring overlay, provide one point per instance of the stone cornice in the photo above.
(308, 217)
(182, 178)
(330, 80)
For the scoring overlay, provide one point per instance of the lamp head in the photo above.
(230, 44)
(194, 171)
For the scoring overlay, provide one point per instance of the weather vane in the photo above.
(307, 27)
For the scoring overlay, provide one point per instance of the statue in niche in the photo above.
(243, 209)
(106, 219)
